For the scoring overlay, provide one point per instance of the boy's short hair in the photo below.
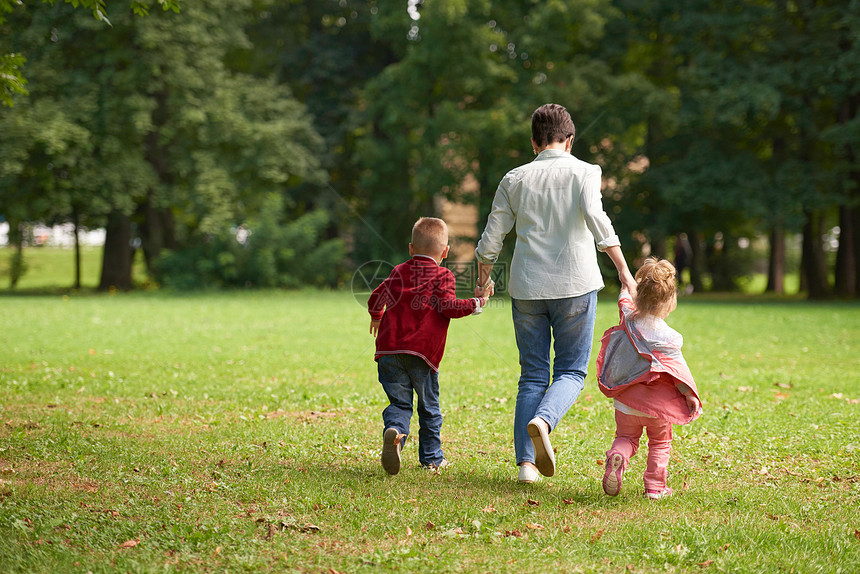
(551, 123)
(430, 235)
(655, 287)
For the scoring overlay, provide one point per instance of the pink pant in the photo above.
(628, 430)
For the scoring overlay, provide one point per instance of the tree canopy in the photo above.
(279, 143)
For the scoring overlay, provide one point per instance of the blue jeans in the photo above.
(570, 322)
(400, 375)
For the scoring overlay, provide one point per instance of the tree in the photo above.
(456, 104)
(171, 130)
(12, 80)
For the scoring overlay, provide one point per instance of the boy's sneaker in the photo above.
(613, 473)
(391, 450)
(438, 466)
(658, 494)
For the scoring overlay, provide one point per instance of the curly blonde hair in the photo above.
(655, 287)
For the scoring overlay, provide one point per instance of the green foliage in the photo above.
(265, 252)
(11, 80)
(147, 121)
(706, 118)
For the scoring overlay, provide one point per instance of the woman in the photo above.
(554, 203)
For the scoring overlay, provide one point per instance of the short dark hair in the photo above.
(551, 123)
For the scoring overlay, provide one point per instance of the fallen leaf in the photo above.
(784, 385)
(597, 536)
(534, 526)
(745, 389)
(514, 533)
(490, 508)
(568, 501)
(706, 563)
(857, 534)
(408, 531)
(429, 526)
(531, 502)
(130, 543)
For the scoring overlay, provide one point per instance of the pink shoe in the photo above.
(614, 472)
(658, 494)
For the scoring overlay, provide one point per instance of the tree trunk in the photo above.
(158, 232)
(697, 257)
(814, 263)
(75, 220)
(856, 229)
(116, 260)
(16, 260)
(776, 261)
(846, 259)
(658, 243)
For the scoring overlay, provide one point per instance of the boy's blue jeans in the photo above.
(570, 322)
(401, 375)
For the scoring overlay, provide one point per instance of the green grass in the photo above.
(53, 268)
(241, 432)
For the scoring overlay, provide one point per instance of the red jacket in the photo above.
(416, 303)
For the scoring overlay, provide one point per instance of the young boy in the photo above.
(409, 316)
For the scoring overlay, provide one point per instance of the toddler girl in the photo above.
(641, 367)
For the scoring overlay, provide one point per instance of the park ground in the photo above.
(240, 431)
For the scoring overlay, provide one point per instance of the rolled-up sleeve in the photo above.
(499, 224)
(595, 217)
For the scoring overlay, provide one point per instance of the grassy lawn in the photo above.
(241, 431)
(53, 268)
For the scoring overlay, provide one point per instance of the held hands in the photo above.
(628, 282)
(485, 292)
(374, 327)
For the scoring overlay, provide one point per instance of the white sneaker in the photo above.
(658, 494)
(538, 430)
(437, 468)
(528, 474)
